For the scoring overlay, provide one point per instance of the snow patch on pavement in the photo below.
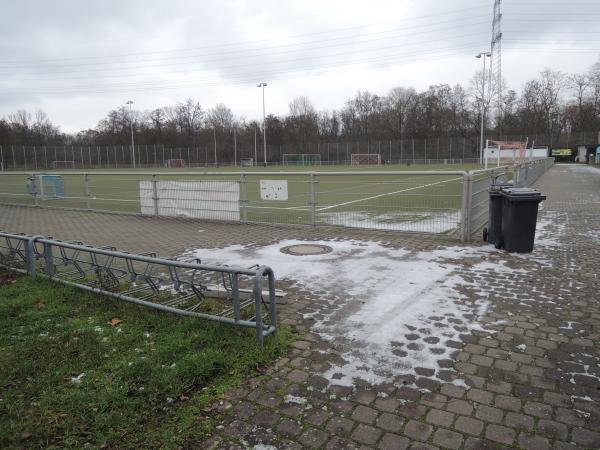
(424, 222)
(387, 311)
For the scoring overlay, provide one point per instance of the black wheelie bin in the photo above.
(493, 231)
(519, 216)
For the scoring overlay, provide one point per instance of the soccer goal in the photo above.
(46, 187)
(301, 159)
(63, 164)
(247, 162)
(357, 159)
(175, 163)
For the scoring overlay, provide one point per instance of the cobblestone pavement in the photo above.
(528, 376)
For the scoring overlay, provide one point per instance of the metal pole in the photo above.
(244, 197)
(155, 194)
(88, 197)
(483, 55)
(130, 102)
(313, 202)
(466, 207)
(215, 136)
(234, 148)
(264, 126)
(255, 156)
(264, 123)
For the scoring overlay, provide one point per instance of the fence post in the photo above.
(49, 262)
(244, 197)
(88, 197)
(30, 253)
(37, 180)
(466, 207)
(313, 198)
(155, 194)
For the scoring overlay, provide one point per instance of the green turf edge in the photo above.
(131, 395)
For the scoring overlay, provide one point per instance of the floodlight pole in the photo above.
(234, 147)
(130, 102)
(255, 156)
(483, 55)
(264, 122)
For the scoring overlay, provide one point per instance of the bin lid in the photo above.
(523, 194)
(499, 186)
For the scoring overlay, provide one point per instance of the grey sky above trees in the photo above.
(77, 60)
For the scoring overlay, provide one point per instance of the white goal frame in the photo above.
(247, 162)
(365, 159)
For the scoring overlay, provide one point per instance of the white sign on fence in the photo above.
(216, 200)
(274, 189)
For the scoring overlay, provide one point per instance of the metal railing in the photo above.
(476, 210)
(231, 295)
(413, 201)
(443, 202)
(529, 173)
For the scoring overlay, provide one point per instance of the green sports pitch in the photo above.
(428, 203)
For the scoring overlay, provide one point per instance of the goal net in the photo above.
(247, 162)
(46, 186)
(365, 158)
(175, 163)
(63, 164)
(301, 159)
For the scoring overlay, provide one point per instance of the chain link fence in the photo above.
(446, 202)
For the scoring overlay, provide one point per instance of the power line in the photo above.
(244, 79)
(274, 39)
(400, 45)
(283, 50)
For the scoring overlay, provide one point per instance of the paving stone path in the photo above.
(527, 377)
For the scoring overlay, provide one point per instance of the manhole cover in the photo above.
(306, 249)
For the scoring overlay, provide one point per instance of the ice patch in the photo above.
(424, 222)
(294, 399)
(388, 311)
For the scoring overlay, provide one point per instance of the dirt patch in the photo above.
(7, 277)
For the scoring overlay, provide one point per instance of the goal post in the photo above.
(63, 164)
(176, 163)
(247, 162)
(46, 186)
(357, 159)
(301, 159)
(508, 151)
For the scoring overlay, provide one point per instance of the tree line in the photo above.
(554, 105)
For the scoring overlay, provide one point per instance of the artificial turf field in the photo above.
(398, 202)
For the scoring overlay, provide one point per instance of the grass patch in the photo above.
(69, 379)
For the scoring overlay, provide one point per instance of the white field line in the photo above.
(387, 193)
(308, 208)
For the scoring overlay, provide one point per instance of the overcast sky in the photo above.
(76, 59)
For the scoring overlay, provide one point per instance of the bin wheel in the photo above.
(499, 243)
(485, 234)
